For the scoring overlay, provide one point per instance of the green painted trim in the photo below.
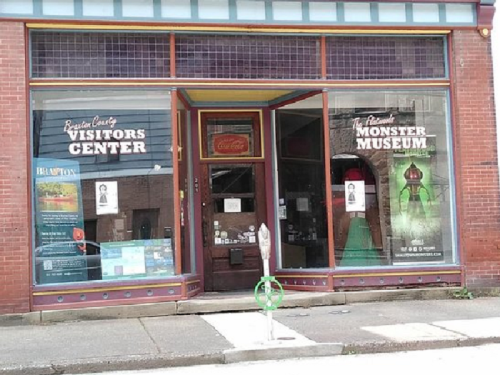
(30, 60)
(233, 15)
(409, 13)
(191, 188)
(289, 96)
(186, 96)
(157, 9)
(78, 11)
(195, 15)
(118, 8)
(305, 12)
(374, 12)
(450, 129)
(37, 9)
(269, 11)
(442, 13)
(446, 57)
(340, 13)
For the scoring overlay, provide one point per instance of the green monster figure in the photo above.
(413, 176)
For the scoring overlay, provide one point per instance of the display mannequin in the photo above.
(359, 249)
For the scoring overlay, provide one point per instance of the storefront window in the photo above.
(103, 189)
(301, 177)
(390, 172)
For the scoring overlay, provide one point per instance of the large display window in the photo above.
(391, 178)
(102, 185)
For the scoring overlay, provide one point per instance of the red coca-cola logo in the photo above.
(232, 144)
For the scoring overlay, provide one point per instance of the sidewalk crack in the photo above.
(449, 330)
(56, 369)
(158, 349)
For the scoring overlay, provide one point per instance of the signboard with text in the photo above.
(60, 237)
(137, 259)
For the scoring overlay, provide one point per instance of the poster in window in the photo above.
(136, 259)
(59, 232)
(355, 196)
(415, 211)
(106, 195)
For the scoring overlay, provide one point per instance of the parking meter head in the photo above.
(264, 242)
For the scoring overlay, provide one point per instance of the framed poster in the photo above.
(59, 229)
(415, 212)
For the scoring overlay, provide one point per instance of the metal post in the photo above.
(265, 251)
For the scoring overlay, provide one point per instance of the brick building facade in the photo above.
(477, 157)
(15, 213)
(163, 194)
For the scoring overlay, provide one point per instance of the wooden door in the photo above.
(233, 207)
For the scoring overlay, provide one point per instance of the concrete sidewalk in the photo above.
(225, 337)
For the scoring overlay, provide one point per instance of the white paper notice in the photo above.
(302, 204)
(355, 196)
(282, 212)
(106, 197)
(232, 205)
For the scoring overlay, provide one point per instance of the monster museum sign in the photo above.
(376, 133)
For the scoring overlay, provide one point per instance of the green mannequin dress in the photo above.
(359, 250)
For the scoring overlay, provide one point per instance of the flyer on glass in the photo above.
(106, 195)
(355, 196)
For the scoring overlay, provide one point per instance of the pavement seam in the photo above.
(434, 324)
(158, 348)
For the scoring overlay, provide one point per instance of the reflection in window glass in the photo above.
(233, 203)
(102, 185)
(301, 174)
(230, 179)
(391, 178)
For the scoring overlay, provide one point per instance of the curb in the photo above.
(148, 362)
(276, 353)
(393, 347)
(126, 363)
(207, 306)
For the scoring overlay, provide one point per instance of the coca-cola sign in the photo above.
(230, 145)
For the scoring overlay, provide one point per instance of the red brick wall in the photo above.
(14, 216)
(477, 166)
